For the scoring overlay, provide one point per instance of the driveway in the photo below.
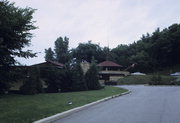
(146, 104)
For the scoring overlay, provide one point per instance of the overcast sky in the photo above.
(102, 21)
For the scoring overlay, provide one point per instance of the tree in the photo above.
(67, 80)
(79, 83)
(91, 77)
(15, 24)
(49, 54)
(61, 50)
(85, 52)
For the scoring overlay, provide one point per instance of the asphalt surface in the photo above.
(146, 104)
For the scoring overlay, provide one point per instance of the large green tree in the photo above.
(15, 24)
(61, 50)
(85, 52)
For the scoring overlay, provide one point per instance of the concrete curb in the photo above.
(71, 111)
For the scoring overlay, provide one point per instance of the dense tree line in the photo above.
(153, 52)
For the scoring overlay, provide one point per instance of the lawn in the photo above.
(27, 108)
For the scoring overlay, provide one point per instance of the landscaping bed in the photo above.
(28, 108)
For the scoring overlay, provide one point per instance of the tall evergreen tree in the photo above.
(61, 50)
(49, 54)
(91, 77)
(79, 83)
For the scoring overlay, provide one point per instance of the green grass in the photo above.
(130, 80)
(27, 108)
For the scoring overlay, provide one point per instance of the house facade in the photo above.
(111, 71)
(45, 65)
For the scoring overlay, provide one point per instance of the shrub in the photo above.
(79, 83)
(32, 84)
(155, 80)
(92, 79)
(53, 78)
(110, 83)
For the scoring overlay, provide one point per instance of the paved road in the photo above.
(146, 104)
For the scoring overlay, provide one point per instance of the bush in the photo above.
(53, 78)
(32, 84)
(79, 83)
(157, 79)
(92, 79)
(110, 83)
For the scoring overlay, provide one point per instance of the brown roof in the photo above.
(51, 62)
(55, 63)
(108, 64)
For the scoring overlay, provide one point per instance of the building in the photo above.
(110, 71)
(45, 65)
(49, 64)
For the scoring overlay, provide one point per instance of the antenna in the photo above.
(108, 52)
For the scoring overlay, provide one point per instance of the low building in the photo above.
(111, 71)
(46, 65)
(49, 64)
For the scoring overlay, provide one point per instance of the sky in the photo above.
(104, 22)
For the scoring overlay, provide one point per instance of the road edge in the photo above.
(71, 111)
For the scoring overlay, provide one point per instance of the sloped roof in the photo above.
(51, 62)
(108, 64)
(55, 63)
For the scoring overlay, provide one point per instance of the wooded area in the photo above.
(153, 52)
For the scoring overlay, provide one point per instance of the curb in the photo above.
(71, 111)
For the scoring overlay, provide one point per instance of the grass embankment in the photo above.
(147, 79)
(28, 108)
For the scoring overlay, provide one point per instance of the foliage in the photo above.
(61, 50)
(15, 25)
(67, 80)
(85, 52)
(79, 83)
(49, 54)
(110, 82)
(152, 52)
(91, 77)
(155, 79)
(32, 85)
(53, 78)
